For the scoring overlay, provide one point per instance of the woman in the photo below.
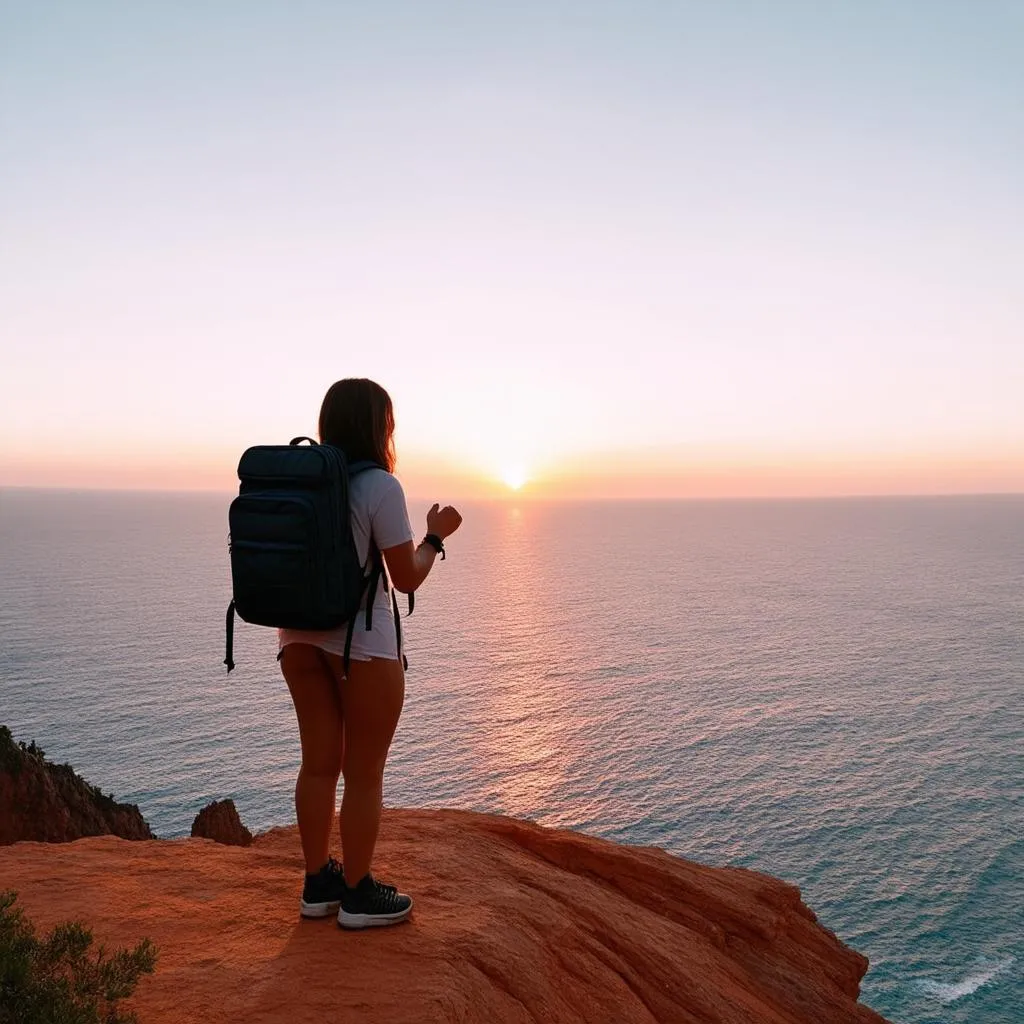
(346, 721)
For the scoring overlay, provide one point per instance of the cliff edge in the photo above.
(513, 922)
(50, 803)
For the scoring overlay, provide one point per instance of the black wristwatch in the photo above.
(436, 543)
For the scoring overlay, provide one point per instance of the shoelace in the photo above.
(385, 897)
(382, 886)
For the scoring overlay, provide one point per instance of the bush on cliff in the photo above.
(59, 979)
(13, 754)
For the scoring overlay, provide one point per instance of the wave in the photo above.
(948, 993)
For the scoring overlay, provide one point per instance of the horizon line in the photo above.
(515, 498)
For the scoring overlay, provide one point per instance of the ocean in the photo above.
(829, 691)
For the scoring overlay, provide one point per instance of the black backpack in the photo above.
(293, 557)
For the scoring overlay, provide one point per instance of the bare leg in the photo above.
(314, 691)
(372, 698)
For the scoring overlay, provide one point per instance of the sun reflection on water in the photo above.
(520, 745)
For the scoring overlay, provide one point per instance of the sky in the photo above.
(611, 250)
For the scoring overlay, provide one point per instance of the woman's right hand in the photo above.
(443, 521)
(409, 564)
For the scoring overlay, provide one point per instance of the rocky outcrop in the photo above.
(220, 822)
(49, 803)
(512, 923)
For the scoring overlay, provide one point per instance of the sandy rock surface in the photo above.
(512, 922)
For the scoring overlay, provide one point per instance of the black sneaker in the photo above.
(372, 903)
(321, 895)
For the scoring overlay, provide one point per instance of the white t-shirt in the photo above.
(378, 511)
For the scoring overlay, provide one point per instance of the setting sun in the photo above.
(514, 477)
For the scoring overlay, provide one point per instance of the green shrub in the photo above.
(12, 755)
(59, 979)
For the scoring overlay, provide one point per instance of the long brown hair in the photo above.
(357, 417)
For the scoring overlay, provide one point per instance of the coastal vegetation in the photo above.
(59, 978)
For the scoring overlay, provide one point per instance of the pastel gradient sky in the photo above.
(628, 249)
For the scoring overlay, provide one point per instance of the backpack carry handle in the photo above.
(300, 439)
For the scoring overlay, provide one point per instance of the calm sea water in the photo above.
(830, 691)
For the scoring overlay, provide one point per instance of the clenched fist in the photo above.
(443, 521)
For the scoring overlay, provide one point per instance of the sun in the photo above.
(514, 477)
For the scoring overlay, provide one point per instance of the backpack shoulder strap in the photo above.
(229, 658)
(378, 574)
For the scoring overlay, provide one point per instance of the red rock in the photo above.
(50, 803)
(512, 922)
(219, 821)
